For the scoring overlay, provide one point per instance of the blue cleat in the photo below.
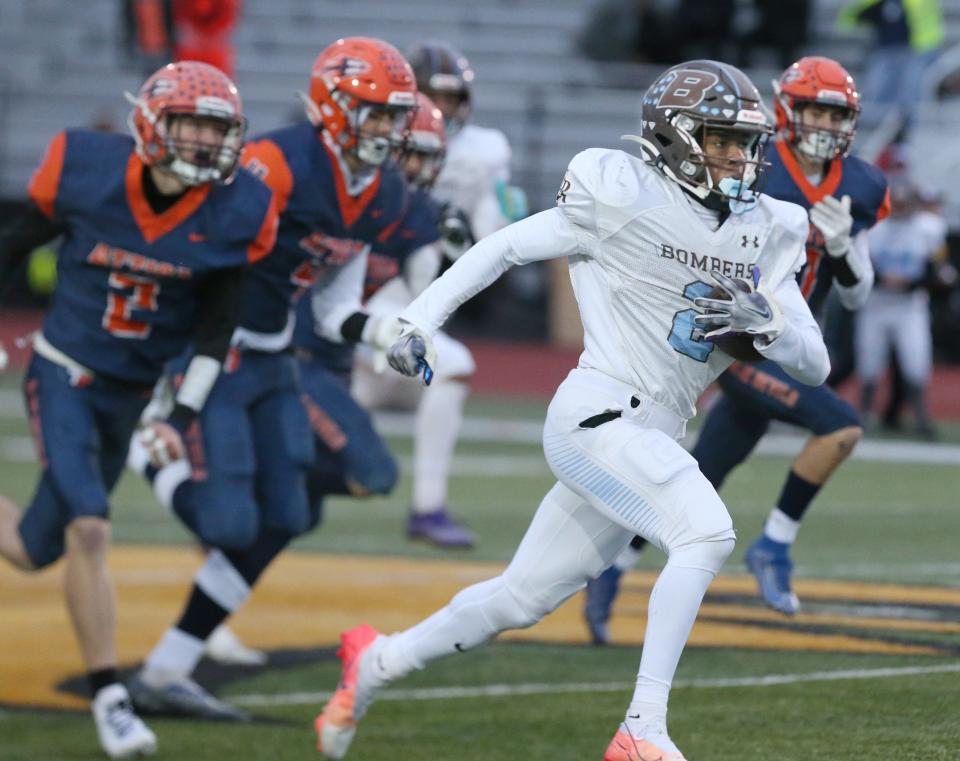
(601, 592)
(770, 563)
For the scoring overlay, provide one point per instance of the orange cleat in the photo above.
(337, 723)
(624, 747)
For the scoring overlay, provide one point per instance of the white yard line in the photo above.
(509, 690)
(528, 431)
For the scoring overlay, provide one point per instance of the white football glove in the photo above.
(413, 352)
(162, 442)
(755, 311)
(379, 333)
(832, 218)
(4, 358)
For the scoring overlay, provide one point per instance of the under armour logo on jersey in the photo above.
(562, 193)
(747, 240)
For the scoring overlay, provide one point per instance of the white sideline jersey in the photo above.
(639, 254)
(477, 157)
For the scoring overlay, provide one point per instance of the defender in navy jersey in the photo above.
(351, 458)
(816, 105)
(242, 490)
(157, 231)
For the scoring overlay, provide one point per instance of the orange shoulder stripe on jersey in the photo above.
(828, 185)
(350, 207)
(265, 159)
(153, 226)
(45, 181)
(884, 211)
(267, 235)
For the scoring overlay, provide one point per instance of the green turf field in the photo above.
(876, 521)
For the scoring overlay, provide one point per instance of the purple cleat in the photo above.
(439, 528)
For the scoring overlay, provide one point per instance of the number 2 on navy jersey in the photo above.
(683, 333)
(129, 292)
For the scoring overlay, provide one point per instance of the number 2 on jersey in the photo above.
(129, 292)
(684, 329)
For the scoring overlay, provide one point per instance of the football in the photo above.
(737, 345)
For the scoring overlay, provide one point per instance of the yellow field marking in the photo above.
(306, 599)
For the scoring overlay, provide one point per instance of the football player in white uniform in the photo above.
(647, 239)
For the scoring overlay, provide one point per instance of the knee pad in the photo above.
(378, 477)
(227, 518)
(500, 609)
(707, 554)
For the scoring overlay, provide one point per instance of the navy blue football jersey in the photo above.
(322, 226)
(863, 182)
(419, 227)
(126, 295)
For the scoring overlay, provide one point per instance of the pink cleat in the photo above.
(625, 747)
(337, 723)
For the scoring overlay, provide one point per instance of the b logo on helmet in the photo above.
(686, 89)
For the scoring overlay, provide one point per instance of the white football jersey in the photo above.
(646, 255)
(639, 255)
(901, 246)
(477, 157)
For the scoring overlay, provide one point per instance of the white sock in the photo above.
(781, 527)
(168, 479)
(439, 416)
(672, 610)
(221, 582)
(176, 653)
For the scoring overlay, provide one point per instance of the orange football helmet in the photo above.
(821, 81)
(352, 77)
(426, 140)
(188, 88)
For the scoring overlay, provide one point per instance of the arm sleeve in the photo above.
(221, 297)
(336, 298)
(547, 235)
(799, 349)
(18, 238)
(853, 291)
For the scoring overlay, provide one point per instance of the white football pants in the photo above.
(615, 480)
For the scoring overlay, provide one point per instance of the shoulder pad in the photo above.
(489, 145)
(604, 188)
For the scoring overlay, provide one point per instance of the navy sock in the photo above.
(201, 616)
(253, 561)
(102, 678)
(796, 496)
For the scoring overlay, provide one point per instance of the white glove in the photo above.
(379, 333)
(4, 358)
(413, 352)
(744, 311)
(832, 218)
(162, 442)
